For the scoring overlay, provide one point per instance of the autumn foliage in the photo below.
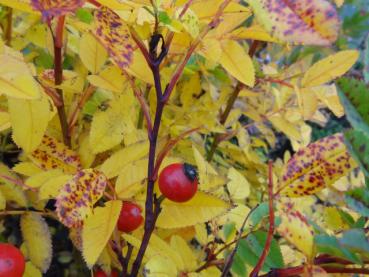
(180, 138)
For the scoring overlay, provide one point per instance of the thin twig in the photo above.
(17, 182)
(229, 261)
(141, 112)
(179, 70)
(169, 146)
(141, 99)
(9, 26)
(87, 93)
(259, 265)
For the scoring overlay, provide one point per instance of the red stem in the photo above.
(58, 78)
(259, 265)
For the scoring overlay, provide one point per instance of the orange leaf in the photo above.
(319, 164)
(76, 199)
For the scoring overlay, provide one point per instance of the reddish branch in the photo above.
(58, 78)
(259, 265)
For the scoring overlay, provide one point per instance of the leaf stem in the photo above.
(259, 265)
(9, 26)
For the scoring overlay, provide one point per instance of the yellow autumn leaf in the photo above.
(52, 154)
(329, 68)
(208, 177)
(308, 101)
(110, 126)
(130, 179)
(29, 119)
(160, 266)
(22, 5)
(201, 208)
(328, 95)
(316, 166)
(237, 62)
(37, 238)
(295, 229)
(50, 188)
(238, 186)
(235, 215)
(255, 32)
(139, 68)
(39, 179)
(97, 230)
(92, 53)
(110, 78)
(2, 201)
(314, 22)
(31, 271)
(4, 121)
(11, 191)
(339, 3)
(116, 162)
(26, 168)
(186, 253)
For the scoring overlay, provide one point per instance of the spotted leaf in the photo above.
(76, 199)
(54, 8)
(318, 165)
(295, 228)
(113, 33)
(312, 22)
(52, 154)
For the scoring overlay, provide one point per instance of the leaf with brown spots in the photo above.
(52, 154)
(113, 33)
(76, 199)
(318, 165)
(313, 22)
(295, 228)
(54, 8)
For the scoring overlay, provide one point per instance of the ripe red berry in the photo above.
(130, 217)
(100, 273)
(178, 182)
(12, 262)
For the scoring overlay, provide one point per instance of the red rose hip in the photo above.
(178, 182)
(100, 273)
(130, 217)
(12, 262)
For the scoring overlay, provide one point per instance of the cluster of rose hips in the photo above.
(177, 182)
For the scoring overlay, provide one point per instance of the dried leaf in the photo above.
(77, 197)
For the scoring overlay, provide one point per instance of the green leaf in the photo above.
(228, 230)
(164, 18)
(250, 249)
(358, 145)
(84, 15)
(329, 245)
(357, 205)
(259, 213)
(366, 60)
(238, 266)
(354, 96)
(356, 240)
